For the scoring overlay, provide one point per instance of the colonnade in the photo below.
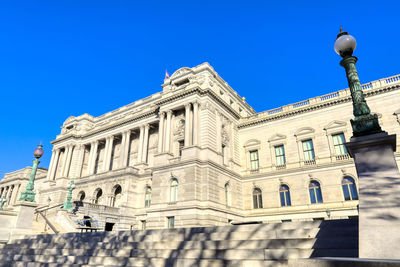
(11, 193)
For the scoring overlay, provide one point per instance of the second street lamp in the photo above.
(364, 123)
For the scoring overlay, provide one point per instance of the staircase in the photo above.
(238, 245)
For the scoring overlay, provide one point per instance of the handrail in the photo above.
(48, 222)
(40, 209)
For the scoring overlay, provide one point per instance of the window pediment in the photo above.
(335, 124)
(304, 131)
(277, 137)
(252, 142)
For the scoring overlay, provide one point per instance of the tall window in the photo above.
(116, 196)
(338, 143)
(97, 196)
(171, 222)
(143, 224)
(254, 164)
(223, 153)
(284, 193)
(257, 198)
(147, 197)
(315, 192)
(174, 190)
(280, 155)
(308, 150)
(181, 145)
(228, 195)
(349, 189)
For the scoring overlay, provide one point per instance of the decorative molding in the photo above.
(277, 137)
(304, 131)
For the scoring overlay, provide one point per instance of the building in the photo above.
(196, 154)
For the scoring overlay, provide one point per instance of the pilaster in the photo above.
(140, 150)
(187, 125)
(161, 132)
(167, 138)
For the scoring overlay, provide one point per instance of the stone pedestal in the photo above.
(379, 195)
(24, 220)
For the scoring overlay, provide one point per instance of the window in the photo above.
(81, 196)
(338, 143)
(254, 165)
(147, 197)
(284, 193)
(143, 225)
(171, 222)
(257, 198)
(315, 192)
(349, 189)
(308, 150)
(223, 153)
(174, 190)
(228, 199)
(280, 155)
(181, 145)
(116, 196)
(97, 196)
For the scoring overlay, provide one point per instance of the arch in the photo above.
(81, 196)
(97, 196)
(147, 197)
(257, 198)
(174, 190)
(349, 188)
(228, 197)
(314, 189)
(116, 195)
(284, 194)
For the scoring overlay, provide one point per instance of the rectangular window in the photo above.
(181, 145)
(143, 224)
(171, 222)
(280, 155)
(308, 150)
(254, 164)
(338, 143)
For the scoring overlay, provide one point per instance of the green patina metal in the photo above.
(364, 122)
(68, 204)
(2, 201)
(28, 194)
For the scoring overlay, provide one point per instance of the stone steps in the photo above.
(244, 245)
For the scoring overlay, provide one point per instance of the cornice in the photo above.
(313, 107)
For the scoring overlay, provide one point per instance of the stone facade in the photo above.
(196, 154)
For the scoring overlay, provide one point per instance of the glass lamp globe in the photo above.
(38, 152)
(345, 44)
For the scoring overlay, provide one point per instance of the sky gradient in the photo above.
(63, 58)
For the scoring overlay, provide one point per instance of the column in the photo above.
(9, 191)
(196, 126)
(122, 150)
(104, 167)
(126, 149)
(68, 161)
(161, 132)
(55, 165)
(167, 137)
(140, 150)
(108, 153)
(218, 131)
(187, 125)
(93, 152)
(51, 166)
(78, 170)
(16, 189)
(190, 127)
(145, 143)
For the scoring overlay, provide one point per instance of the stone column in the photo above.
(168, 132)
(104, 167)
(9, 191)
(379, 191)
(161, 132)
(187, 125)
(122, 150)
(51, 166)
(196, 127)
(108, 153)
(140, 149)
(93, 154)
(68, 161)
(218, 132)
(126, 149)
(78, 170)
(55, 165)
(16, 189)
(145, 143)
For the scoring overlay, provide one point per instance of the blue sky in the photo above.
(63, 58)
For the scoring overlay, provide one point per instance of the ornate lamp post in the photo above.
(364, 122)
(28, 194)
(2, 201)
(68, 204)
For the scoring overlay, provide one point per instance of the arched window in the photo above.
(147, 197)
(116, 196)
(228, 199)
(349, 189)
(174, 190)
(81, 196)
(315, 192)
(284, 193)
(257, 198)
(97, 196)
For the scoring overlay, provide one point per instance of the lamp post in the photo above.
(28, 194)
(68, 204)
(364, 123)
(2, 200)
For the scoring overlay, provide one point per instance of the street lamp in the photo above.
(364, 122)
(68, 204)
(2, 200)
(28, 194)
